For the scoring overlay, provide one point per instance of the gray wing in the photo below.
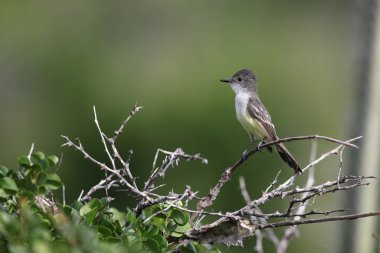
(257, 110)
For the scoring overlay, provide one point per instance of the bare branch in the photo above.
(225, 228)
(63, 195)
(103, 140)
(102, 166)
(172, 203)
(134, 110)
(310, 137)
(231, 231)
(230, 228)
(312, 191)
(319, 220)
(104, 183)
(171, 159)
(255, 219)
(291, 231)
(208, 200)
(106, 149)
(30, 152)
(227, 174)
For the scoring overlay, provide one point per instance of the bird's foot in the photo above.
(245, 154)
(259, 145)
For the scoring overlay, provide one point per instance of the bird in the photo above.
(254, 117)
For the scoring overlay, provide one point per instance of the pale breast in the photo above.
(249, 124)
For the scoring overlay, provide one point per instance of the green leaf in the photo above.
(3, 171)
(190, 248)
(36, 167)
(106, 223)
(23, 161)
(77, 205)
(95, 203)
(163, 243)
(53, 181)
(179, 217)
(152, 245)
(152, 230)
(41, 178)
(41, 246)
(9, 185)
(3, 195)
(90, 210)
(180, 230)
(104, 201)
(44, 164)
(42, 190)
(38, 156)
(161, 216)
(53, 160)
(214, 250)
(131, 216)
(113, 240)
(117, 216)
(133, 242)
(194, 247)
(104, 231)
(90, 216)
(28, 172)
(67, 210)
(29, 195)
(171, 226)
(86, 209)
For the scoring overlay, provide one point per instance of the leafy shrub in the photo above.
(31, 220)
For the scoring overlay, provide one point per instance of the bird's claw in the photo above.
(259, 145)
(244, 156)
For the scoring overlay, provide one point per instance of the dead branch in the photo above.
(319, 220)
(229, 228)
(227, 174)
(171, 159)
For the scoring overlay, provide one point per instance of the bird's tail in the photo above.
(288, 158)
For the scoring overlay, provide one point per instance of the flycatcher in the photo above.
(253, 116)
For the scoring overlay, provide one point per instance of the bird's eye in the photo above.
(239, 79)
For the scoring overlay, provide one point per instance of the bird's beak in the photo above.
(227, 80)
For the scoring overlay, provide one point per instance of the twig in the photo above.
(291, 231)
(310, 137)
(59, 163)
(313, 191)
(269, 232)
(30, 152)
(134, 110)
(319, 220)
(106, 149)
(104, 183)
(102, 166)
(230, 227)
(227, 174)
(208, 200)
(340, 162)
(259, 237)
(233, 230)
(273, 182)
(170, 160)
(63, 195)
(267, 216)
(187, 193)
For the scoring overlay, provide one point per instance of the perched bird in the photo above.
(253, 116)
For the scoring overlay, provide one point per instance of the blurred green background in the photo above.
(58, 59)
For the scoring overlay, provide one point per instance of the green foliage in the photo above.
(31, 220)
